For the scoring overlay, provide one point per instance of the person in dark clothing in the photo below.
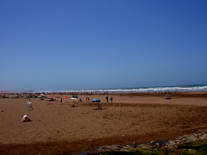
(111, 98)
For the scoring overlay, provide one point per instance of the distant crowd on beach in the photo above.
(36, 95)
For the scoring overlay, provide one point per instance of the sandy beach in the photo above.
(59, 128)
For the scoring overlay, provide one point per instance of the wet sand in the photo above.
(130, 119)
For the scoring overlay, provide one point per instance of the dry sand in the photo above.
(130, 119)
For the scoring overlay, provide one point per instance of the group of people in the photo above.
(30, 107)
(87, 98)
(108, 98)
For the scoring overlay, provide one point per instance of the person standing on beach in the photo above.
(111, 98)
(107, 98)
(29, 103)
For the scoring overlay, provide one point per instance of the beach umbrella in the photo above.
(50, 96)
(74, 100)
(42, 95)
(52, 93)
(66, 97)
(98, 101)
(75, 96)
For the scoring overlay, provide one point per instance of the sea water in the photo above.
(185, 88)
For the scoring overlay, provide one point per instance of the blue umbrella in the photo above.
(96, 100)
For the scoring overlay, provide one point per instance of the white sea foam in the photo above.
(190, 88)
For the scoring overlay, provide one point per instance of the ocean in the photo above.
(185, 88)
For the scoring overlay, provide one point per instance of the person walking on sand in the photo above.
(107, 98)
(29, 103)
(111, 98)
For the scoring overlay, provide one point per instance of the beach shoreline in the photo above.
(58, 128)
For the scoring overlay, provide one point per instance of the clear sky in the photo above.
(91, 44)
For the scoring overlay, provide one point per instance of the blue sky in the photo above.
(91, 44)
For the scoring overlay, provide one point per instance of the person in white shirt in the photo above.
(26, 118)
(29, 103)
